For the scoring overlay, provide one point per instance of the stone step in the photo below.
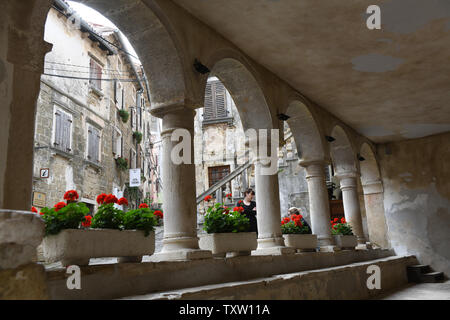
(421, 273)
(432, 277)
(340, 282)
(116, 280)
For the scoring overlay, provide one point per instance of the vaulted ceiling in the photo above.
(389, 84)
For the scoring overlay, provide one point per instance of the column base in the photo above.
(364, 246)
(273, 251)
(184, 254)
(329, 248)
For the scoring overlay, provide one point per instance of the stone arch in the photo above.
(306, 132)
(342, 152)
(154, 40)
(246, 92)
(370, 174)
(373, 197)
(141, 21)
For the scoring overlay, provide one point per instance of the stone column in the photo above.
(376, 222)
(20, 277)
(352, 210)
(319, 205)
(179, 196)
(270, 239)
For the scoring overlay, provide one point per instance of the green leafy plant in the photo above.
(61, 217)
(140, 219)
(341, 227)
(124, 115)
(138, 136)
(220, 219)
(294, 225)
(122, 163)
(107, 217)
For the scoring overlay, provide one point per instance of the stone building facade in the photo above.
(79, 133)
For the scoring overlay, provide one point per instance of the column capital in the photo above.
(172, 107)
(314, 169)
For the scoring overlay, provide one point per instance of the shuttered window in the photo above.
(215, 101)
(62, 131)
(118, 93)
(95, 74)
(93, 144)
(117, 143)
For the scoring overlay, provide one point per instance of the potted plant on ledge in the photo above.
(298, 235)
(124, 115)
(227, 231)
(73, 237)
(343, 235)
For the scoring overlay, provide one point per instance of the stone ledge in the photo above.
(121, 280)
(343, 282)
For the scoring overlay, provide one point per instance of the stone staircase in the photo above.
(421, 273)
(338, 275)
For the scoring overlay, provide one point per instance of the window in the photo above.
(117, 143)
(119, 94)
(62, 130)
(132, 159)
(95, 74)
(93, 143)
(215, 174)
(215, 101)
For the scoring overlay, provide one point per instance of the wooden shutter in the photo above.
(123, 97)
(115, 92)
(219, 99)
(95, 145)
(114, 142)
(66, 121)
(58, 129)
(208, 110)
(90, 144)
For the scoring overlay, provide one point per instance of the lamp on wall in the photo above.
(283, 117)
(330, 139)
(200, 68)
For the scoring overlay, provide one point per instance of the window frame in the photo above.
(57, 108)
(95, 127)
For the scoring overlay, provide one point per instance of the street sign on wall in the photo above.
(135, 177)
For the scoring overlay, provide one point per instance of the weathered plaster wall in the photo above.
(416, 179)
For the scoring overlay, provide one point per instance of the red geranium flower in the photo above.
(298, 223)
(122, 201)
(335, 220)
(240, 201)
(343, 220)
(286, 220)
(59, 206)
(228, 195)
(87, 221)
(208, 198)
(33, 209)
(158, 214)
(110, 199)
(239, 209)
(71, 195)
(101, 198)
(143, 205)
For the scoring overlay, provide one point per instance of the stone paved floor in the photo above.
(421, 291)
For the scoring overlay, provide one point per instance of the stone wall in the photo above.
(417, 198)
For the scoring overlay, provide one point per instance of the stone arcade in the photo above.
(296, 65)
